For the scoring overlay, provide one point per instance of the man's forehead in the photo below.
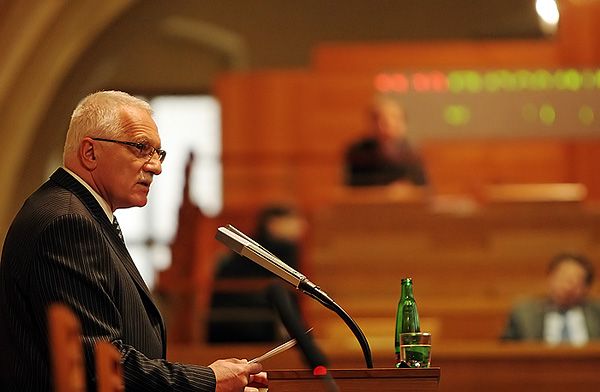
(132, 113)
(569, 265)
(134, 119)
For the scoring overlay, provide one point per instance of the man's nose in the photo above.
(153, 165)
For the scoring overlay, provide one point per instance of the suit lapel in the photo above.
(537, 315)
(64, 179)
(67, 181)
(134, 273)
(592, 321)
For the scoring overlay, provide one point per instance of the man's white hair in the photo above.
(100, 115)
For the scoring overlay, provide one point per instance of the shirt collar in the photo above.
(103, 203)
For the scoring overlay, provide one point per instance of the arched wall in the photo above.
(40, 41)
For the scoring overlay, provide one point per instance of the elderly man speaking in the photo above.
(65, 246)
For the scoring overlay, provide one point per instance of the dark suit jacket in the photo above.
(526, 321)
(61, 247)
(366, 165)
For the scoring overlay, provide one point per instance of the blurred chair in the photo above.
(66, 350)
(109, 373)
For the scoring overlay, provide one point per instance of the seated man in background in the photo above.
(247, 316)
(565, 315)
(385, 155)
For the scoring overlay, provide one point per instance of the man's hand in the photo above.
(234, 375)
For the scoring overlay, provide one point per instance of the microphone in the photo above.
(240, 243)
(293, 323)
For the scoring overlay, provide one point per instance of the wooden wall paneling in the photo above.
(435, 55)
(285, 134)
(258, 109)
(576, 44)
(259, 132)
(529, 161)
(455, 166)
(579, 31)
(336, 108)
(465, 282)
(255, 179)
(334, 114)
(586, 165)
(467, 166)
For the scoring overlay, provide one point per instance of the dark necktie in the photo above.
(115, 224)
(564, 333)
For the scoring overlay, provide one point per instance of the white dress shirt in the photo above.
(572, 320)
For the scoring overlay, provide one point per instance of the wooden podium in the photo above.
(355, 380)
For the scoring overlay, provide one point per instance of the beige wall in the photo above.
(40, 42)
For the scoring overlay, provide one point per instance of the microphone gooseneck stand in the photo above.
(240, 243)
(316, 293)
(289, 314)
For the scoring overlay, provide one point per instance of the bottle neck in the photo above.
(407, 290)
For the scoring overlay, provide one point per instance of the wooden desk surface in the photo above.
(488, 366)
(348, 380)
(518, 367)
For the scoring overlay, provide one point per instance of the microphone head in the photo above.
(290, 316)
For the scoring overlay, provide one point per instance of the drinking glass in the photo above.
(415, 349)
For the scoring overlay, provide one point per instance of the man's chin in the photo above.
(139, 202)
(566, 304)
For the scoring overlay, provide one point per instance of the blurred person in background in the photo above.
(384, 155)
(246, 315)
(565, 315)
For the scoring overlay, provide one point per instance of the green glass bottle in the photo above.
(407, 316)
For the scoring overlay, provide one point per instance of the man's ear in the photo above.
(87, 154)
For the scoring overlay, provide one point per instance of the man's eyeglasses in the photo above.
(144, 150)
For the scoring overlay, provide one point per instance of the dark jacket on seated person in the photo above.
(366, 164)
(247, 316)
